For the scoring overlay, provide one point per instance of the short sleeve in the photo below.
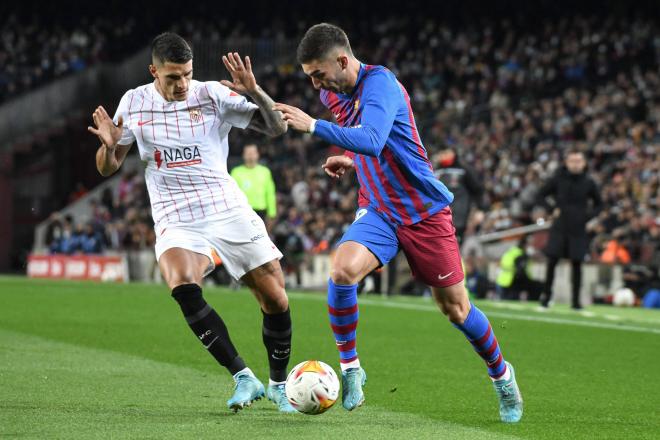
(235, 109)
(127, 137)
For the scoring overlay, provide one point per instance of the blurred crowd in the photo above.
(507, 97)
(119, 220)
(36, 49)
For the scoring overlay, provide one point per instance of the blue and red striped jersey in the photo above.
(376, 125)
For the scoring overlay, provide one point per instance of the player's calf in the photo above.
(208, 326)
(276, 332)
(472, 322)
(344, 313)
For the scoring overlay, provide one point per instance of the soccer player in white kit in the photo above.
(199, 212)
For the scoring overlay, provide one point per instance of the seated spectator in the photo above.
(71, 239)
(514, 278)
(91, 241)
(615, 252)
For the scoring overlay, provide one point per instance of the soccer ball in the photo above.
(624, 297)
(312, 387)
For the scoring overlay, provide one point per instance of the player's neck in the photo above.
(160, 92)
(352, 75)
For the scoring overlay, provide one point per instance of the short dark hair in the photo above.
(171, 47)
(319, 40)
(573, 150)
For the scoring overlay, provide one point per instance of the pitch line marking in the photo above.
(545, 319)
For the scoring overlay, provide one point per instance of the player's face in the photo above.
(576, 163)
(328, 74)
(173, 80)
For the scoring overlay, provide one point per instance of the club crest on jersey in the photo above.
(195, 114)
(177, 157)
(357, 104)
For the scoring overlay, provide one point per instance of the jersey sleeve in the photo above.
(381, 96)
(127, 136)
(234, 109)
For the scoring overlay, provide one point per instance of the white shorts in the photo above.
(241, 241)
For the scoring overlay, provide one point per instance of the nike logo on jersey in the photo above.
(442, 277)
(141, 123)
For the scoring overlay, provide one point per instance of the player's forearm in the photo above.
(106, 161)
(363, 139)
(275, 125)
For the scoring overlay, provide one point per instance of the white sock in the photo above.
(245, 370)
(271, 382)
(505, 376)
(352, 364)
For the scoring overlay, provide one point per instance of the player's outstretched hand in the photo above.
(243, 80)
(294, 117)
(336, 166)
(109, 134)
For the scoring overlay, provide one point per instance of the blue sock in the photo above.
(479, 332)
(343, 311)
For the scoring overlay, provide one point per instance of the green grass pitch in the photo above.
(85, 360)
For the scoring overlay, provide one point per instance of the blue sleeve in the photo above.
(380, 98)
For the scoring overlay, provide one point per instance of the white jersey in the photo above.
(184, 147)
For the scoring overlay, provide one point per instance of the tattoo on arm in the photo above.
(268, 121)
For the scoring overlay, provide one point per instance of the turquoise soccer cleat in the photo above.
(277, 395)
(248, 389)
(511, 402)
(352, 381)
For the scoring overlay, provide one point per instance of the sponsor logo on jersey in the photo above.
(158, 158)
(195, 114)
(177, 157)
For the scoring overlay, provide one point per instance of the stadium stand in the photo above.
(508, 95)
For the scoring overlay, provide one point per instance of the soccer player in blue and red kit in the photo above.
(401, 205)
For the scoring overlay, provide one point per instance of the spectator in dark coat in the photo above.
(575, 200)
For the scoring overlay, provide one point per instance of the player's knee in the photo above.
(180, 279)
(454, 306)
(344, 274)
(456, 312)
(275, 303)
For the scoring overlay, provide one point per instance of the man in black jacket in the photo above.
(576, 199)
(463, 183)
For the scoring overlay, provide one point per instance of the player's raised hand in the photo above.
(336, 166)
(109, 134)
(294, 117)
(243, 80)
